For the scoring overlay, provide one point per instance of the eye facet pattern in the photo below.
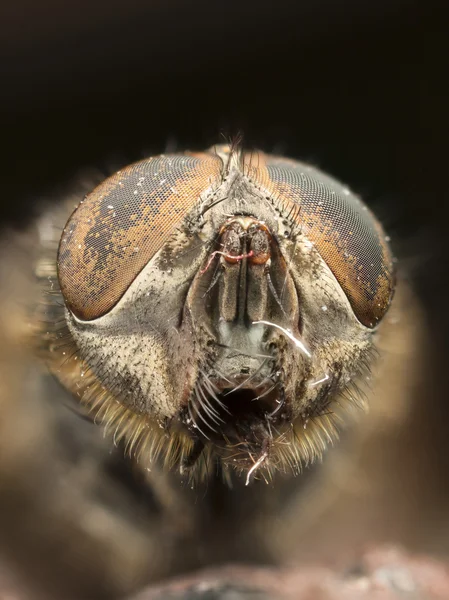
(120, 226)
(345, 232)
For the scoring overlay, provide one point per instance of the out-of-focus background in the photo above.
(357, 88)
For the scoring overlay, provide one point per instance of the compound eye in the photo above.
(118, 228)
(344, 231)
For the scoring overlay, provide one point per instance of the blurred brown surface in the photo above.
(381, 574)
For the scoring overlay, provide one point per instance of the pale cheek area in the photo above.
(383, 479)
(338, 344)
(134, 367)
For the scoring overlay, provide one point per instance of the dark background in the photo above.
(357, 87)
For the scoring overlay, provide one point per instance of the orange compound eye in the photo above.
(344, 231)
(122, 224)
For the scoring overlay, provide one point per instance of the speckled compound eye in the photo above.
(343, 229)
(121, 225)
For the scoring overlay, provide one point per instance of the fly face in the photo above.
(221, 305)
